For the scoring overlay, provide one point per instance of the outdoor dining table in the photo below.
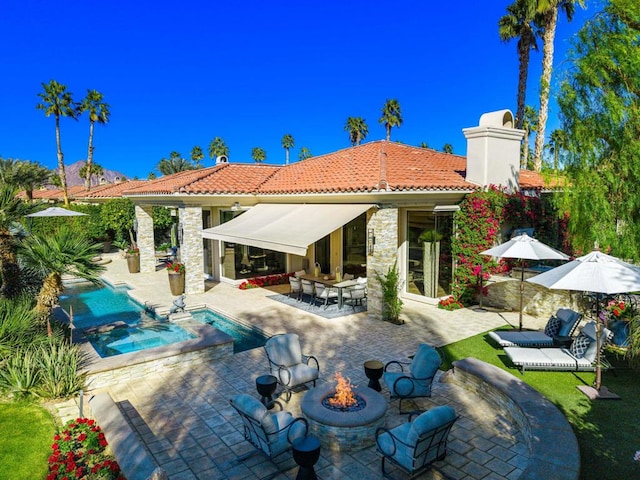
(331, 282)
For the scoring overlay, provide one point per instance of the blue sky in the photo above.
(177, 75)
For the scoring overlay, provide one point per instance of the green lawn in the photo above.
(25, 442)
(606, 429)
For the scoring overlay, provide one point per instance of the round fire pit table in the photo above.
(373, 370)
(266, 386)
(306, 452)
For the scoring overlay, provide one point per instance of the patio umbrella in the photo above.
(524, 247)
(55, 212)
(595, 272)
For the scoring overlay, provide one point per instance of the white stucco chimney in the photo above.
(493, 151)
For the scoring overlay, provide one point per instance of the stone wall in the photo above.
(384, 223)
(504, 293)
(191, 249)
(145, 239)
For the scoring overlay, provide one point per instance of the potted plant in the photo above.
(176, 277)
(133, 259)
(391, 302)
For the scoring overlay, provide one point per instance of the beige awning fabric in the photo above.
(288, 228)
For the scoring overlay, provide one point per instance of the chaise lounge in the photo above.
(562, 324)
(580, 357)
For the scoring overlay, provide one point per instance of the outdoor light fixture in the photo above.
(235, 207)
(371, 241)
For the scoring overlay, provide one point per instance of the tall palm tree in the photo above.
(57, 101)
(218, 147)
(197, 155)
(98, 113)
(12, 209)
(529, 124)
(557, 143)
(258, 154)
(24, 174)
(304, 153)
(174, 164)
(549, 10)
(96, 170)
(357, 128)
(52, 256)
(287, 143)
(391, 116)
(520, 23)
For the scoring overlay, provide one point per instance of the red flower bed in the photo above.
(450, 303)
(265, 281)
(78, 452)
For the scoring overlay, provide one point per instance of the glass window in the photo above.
(429, 260)
(354, 247)
(244, 261)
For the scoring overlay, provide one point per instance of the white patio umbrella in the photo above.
(524, 247)
(595, 272)
(55, 212)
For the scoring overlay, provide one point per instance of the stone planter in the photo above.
(176, 283)
(133, 263)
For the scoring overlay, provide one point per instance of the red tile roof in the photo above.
(370, 167)
(112, 190)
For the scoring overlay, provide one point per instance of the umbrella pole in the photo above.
(521, 291)
(598, 332)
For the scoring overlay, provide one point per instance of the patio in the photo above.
(184, 418)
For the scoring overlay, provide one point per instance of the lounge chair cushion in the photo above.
(403, 453)
(426, 362)
(285, 349)
(298, 374)
(552, 327)
(568, 319)
(250, 406)
(434, 418)
(547, 359)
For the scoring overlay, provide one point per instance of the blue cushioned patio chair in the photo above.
(414, 381)
(288, 364)
(270, 432)
(414, 446)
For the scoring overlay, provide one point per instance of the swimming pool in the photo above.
(244, 338)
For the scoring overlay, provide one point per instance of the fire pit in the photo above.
(343, 427)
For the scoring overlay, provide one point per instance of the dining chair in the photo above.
(308, 290)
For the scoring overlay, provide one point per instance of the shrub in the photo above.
(391, 302)
(79, 452)
(59, 364)
(450, 303)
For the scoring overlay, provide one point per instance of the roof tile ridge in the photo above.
(383, 184)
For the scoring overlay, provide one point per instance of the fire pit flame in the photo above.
(344, 397)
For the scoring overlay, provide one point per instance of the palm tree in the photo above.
(557, 142)
(58, 102)
(12, 209)
(304, 153)
(98, 112)
(447, 148)
(530, 124)
(52, 256)
(357, 128)
(197, 155)
(424, 145)
(391, 116)
(24, 174)
(287, 143)
(549, 10)
(258, 154)
(217, 147)
(96, 170)
(520, 23)
(174, 164)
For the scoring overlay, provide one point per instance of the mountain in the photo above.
(73, 175)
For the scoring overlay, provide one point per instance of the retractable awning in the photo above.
(285, 228)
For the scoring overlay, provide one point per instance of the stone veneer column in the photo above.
(191, 249)
(384, 223)
(144, 238)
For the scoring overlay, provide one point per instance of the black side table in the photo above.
(373, 370)
(306, 453)
(561, 341)
(266, 386)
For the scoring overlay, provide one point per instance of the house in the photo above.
(359, 209)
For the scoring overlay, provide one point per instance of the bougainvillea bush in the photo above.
(450, 303)
(79, 453)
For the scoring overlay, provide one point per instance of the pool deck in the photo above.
(184, 418)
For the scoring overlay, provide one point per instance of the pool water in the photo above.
(132, 339)
(244, 338)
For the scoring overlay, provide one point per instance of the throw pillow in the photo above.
(580, 346)
(553, 326)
